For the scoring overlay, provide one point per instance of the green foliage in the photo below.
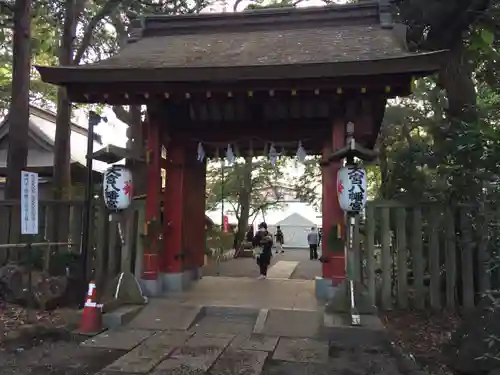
(216, 239)
(423, 158)
(262, 4)
(253, 179)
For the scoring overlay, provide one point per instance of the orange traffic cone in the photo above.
(92, 313)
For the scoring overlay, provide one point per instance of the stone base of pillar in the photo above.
(324, 289)
(178, 282)
(150, 288)
(340, 302)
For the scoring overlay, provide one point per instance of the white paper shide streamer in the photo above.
(230, 154)
(201, 152)
(273, 154)
(301, 153)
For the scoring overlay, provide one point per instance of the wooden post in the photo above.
(402, 253)
(450, 259)
(150, 252)
(483, 269)
(370, 250)
(418, 259)
(102, 229)
(467, 260)
(434, 259)
(386, 259)
(332, 214)
(172, 261)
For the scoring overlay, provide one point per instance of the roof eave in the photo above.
(417, 64)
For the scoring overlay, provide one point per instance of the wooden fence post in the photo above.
(386, 258)
(467, 258)
(402, 252)
(418, 259)
(102, 229)
(434, 259)
(483, 266)
(370, 251)
(450, 258)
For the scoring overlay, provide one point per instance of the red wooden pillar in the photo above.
(199, 212)
(183, 211)
(332, 214)
(152, 214)
(173, 209)
(194, 209)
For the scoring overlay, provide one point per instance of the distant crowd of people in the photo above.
(263, 240)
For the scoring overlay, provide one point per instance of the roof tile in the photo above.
(264, 47)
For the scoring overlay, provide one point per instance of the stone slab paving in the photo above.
(246, 267)
(253, 293)
(293, 323)
(149, 353)
(228, 325)
(255, 342)
(239, 362)
(124, 339)
(196, 357)
(283, 269)
(163, 314)
(301, 350)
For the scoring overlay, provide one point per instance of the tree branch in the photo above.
(105, 11)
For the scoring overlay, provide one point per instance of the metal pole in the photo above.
(94, 119)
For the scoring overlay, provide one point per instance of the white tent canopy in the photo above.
(272, 216)
(294, 218)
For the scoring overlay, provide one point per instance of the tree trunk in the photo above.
(62, 148)
(19, 107)
(456, 79)
(244, 200)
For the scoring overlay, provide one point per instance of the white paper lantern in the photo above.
(117, 187)
(351, 188)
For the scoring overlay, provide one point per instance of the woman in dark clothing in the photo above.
(264, 240)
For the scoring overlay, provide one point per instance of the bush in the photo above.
(215, 239)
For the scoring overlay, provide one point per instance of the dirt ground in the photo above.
(45, 345)
(422, 335)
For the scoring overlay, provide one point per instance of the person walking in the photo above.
(313, 240)
(265, 241)
(280, 240)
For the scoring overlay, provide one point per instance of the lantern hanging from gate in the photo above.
(351, 188)
(117, 187)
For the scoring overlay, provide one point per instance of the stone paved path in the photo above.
(244, 326)
(246, 267)
(192, 353)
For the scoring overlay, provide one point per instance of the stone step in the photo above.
(289, 323)
(283, 269)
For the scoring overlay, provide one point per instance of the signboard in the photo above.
(29, 202)
(226, 224)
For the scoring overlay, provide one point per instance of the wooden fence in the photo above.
(106, 258)
(48, 230)
(428, 255)
(424, 256)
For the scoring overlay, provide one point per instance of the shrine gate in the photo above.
(247, 79)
